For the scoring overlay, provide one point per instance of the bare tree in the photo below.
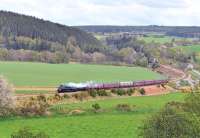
(6, 97)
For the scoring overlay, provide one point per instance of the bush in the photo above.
(93, 93)
(80, 96)
(96, 107)
(102, 93)
(175, 104)
(192, 103)
(113, 91)
(130, 92)
(34, 106)
(27, 133)
(124, 107)
(142, 91)
(171, 123)
(66, 96)
(57, 97)
(6, 98)
(119, 92)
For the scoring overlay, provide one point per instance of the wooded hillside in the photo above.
(14, 25)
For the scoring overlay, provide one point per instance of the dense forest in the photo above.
(12, 24)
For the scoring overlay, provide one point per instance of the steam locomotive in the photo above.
(74, 87)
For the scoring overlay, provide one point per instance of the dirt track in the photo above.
(172, 73)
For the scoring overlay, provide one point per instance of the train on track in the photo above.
(74, 87)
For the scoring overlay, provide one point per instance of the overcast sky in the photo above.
(110, 12)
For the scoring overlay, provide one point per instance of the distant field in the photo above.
(192, 48)
(111, 124)
(99, 37)
(39, 74)
(157, 39)
(160, 39)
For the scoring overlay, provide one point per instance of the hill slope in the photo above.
(16, 25)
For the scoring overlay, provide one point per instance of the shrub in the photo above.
(34, 106)
(130, 92)
(93, 93)
(175, 104)
(96, 107)
(102, 93)
(6, 97)
(192, 103)
(119, 92)
(124, 107)
(66, 96)
(57, 97)
(80, 96)
(142, 91)
(171, 123)
(113, 91)
(27, 133)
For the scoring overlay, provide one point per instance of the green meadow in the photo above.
(157, 39)
(41, 74)
(162, 39)
(108, 124)
(192, 48)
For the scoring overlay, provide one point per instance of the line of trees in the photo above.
(30, 55)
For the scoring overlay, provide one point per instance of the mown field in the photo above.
(108, 124)
(41, 74)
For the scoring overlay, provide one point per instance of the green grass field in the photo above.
(40, 74)
(192, 48)
(161, 39)
(157, 39)
(110, 124)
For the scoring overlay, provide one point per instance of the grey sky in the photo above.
(109, 12)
